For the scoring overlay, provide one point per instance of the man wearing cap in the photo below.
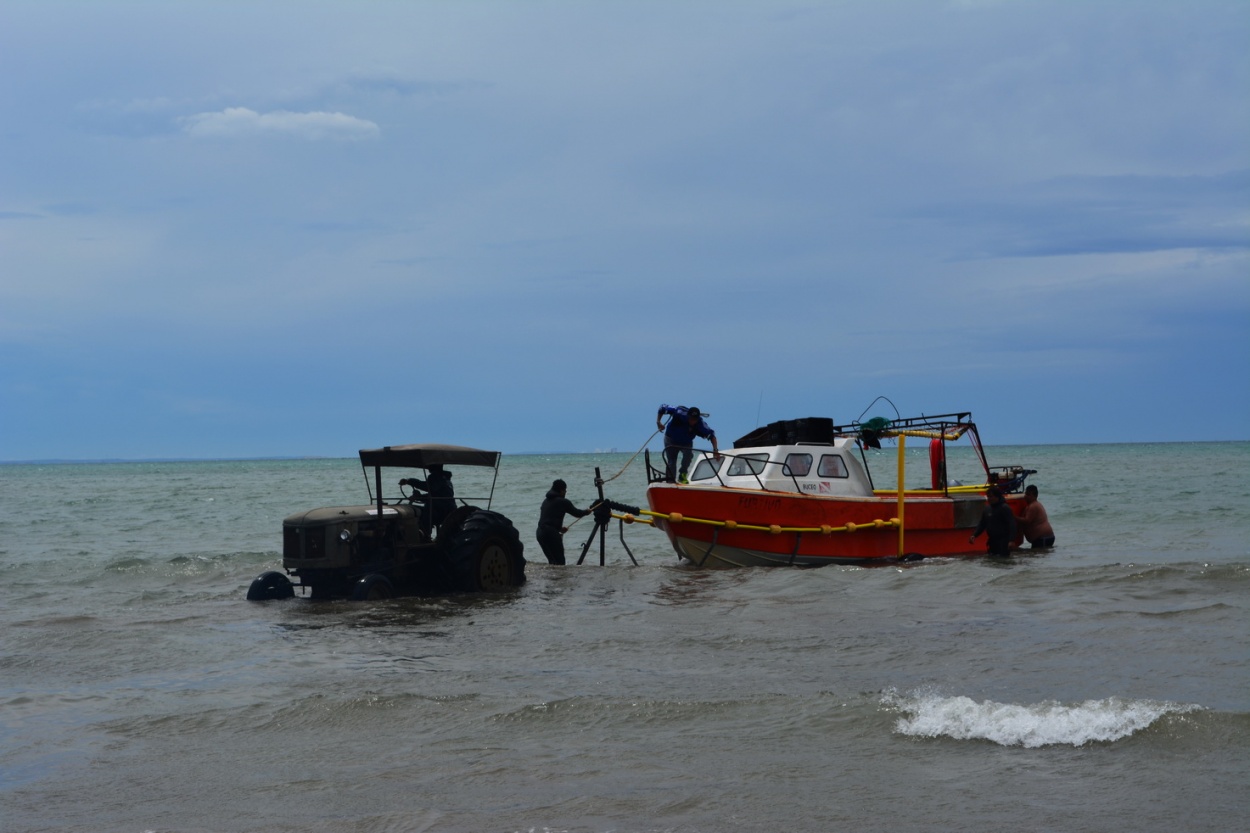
(998, 523)
(551, 526)
(685, 424)
(440, 497)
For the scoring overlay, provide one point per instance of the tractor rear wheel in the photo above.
(486, 554)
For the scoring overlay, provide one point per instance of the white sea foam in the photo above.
(929, 715)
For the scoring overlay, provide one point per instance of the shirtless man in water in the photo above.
(1034, 523)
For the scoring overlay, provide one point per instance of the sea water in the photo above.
(1103, 686)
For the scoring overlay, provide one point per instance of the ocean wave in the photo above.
(1049, 723)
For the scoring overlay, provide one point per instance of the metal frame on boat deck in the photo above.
(944, 427)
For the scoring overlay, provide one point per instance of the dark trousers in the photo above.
(552, 542)
(670, 460)
(999, 547)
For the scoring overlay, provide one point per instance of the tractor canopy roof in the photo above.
(424, 455)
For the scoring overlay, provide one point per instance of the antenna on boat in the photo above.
(603, 516)
(874, 402)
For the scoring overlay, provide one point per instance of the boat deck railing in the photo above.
(1009, 479)
(655, 475)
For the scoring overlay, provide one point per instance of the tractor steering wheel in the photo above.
(414, 497)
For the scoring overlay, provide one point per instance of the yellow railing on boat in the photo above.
(775, 529)
(954, 490)
(826, 529)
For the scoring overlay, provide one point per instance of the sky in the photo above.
(271, 229)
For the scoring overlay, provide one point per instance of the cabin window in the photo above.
(707, 467)
(798, 464)
(831, 465)
(747, 464)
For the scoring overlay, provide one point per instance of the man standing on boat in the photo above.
(998, 523)
(551, 526)
(683, 426)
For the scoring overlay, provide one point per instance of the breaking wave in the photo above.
(1039, 724)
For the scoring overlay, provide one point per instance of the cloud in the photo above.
(238, 122)
(1076, 215)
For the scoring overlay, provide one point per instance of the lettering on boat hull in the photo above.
(759, 503)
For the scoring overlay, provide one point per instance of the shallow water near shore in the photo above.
(1103, 686)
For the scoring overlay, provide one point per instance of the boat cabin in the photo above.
(825, 469)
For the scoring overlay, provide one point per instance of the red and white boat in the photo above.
(801, 492)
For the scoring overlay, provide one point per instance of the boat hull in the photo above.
(727, 527)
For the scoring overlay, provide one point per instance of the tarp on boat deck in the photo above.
(789, 432)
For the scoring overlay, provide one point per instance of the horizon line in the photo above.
(61, 461)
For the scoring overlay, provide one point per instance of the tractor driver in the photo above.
(439, 499)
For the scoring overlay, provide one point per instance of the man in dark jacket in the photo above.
(551, 526)
(440, 497)
(999, 524)
(683, 426)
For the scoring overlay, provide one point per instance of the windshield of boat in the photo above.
(832, 465)
(798, 464)
(707, 467)
(747, 464)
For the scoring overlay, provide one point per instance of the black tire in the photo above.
(486, 554)
(270, 585)
(454, 521)
(373, 587)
